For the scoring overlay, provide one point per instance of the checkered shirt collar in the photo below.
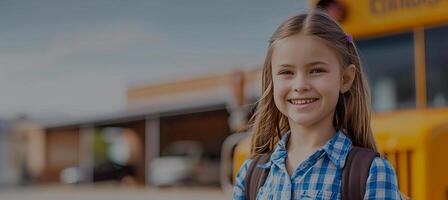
(336, 149)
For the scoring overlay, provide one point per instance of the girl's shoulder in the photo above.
(239, 186)
(382, 181)
(241, 175)
(382, 165)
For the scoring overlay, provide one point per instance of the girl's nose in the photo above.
(301, 85)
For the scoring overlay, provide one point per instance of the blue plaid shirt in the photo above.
(319, 176)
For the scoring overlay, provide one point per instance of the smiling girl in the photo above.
(314, 108)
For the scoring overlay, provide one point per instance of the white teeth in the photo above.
(302, 101)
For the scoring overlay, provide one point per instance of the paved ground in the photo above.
(109, 193)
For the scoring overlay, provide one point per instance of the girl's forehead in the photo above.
(301, 49)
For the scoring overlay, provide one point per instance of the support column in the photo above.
(152, 143)
(86, 159)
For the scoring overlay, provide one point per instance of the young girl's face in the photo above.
(307, 79)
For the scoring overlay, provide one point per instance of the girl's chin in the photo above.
(301, 120)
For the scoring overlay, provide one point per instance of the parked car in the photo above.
(177, 165)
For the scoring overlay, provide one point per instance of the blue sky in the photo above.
(61, 58)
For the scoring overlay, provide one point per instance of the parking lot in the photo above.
(110, 193)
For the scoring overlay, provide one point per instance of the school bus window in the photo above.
(389, 65)
(436, 44)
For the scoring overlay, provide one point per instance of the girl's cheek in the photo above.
(279, 94)
(331, 90)
(280, 89)
(329, 82)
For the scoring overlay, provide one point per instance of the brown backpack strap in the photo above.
(255, 176)
(355, 172)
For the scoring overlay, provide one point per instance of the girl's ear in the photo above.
(348, 76)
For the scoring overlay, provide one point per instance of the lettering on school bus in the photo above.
(380, 7)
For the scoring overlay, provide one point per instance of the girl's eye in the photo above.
(317, 70)
(285, 72)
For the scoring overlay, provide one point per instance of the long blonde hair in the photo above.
(353, 108)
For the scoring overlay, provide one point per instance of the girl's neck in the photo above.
(310, 137)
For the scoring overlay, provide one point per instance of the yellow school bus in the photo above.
(403, 45)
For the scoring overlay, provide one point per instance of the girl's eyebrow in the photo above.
(310, 64)
(285, 66)
(316, 63)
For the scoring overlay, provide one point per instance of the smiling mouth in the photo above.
(302, 101)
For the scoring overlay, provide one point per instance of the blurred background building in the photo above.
(166, 126)
(6, 170)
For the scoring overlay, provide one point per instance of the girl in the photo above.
(315, 106)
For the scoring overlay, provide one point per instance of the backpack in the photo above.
(354, 176)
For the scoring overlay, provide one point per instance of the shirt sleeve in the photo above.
(239, 190)
(382, 181)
